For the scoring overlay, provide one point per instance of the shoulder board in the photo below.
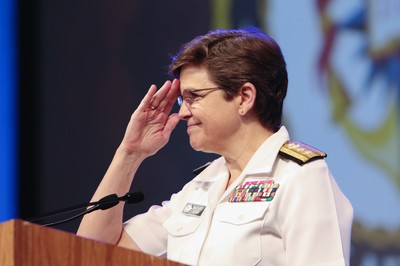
(300, 153)
(200, 169)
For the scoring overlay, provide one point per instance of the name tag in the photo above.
(193, 209)
(255, 190)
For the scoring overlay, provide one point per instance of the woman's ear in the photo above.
(247, 97)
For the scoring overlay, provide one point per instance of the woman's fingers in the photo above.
(159, 96)
(145, 104)
(170, 99)
(157, 104)
(165, 95)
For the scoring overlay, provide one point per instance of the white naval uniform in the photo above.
(308, 222)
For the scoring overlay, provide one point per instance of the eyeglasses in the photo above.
(189, 96)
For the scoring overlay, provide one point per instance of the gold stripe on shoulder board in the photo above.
(300, 152)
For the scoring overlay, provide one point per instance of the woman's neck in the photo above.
(243, 148)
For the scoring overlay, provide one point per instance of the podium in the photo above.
(25, 244)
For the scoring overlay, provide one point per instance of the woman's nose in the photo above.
(184, 112)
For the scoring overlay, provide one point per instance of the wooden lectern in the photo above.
(23, 243)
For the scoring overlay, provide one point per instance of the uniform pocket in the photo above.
(237, 228)
(183, 240)
(181, 225)
(243, 212)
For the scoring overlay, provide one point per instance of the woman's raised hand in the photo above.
(151, 124)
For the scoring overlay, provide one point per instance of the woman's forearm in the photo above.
(106, 225)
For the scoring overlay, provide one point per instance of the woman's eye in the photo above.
(194, 95)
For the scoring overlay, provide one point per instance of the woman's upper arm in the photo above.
(126, 241)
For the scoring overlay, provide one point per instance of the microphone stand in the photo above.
(104, 203)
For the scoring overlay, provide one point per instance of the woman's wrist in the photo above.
(129, 155)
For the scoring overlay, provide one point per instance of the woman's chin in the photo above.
(195, 146)
(201, 147)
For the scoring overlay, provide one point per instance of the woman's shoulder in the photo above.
(300, 153)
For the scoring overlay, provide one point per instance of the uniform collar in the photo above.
(216, 170)
(264, 158)
(261, 162)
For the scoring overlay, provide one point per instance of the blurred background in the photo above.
(72, 72)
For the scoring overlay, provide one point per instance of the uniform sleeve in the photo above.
(315, 218)
(147, 229)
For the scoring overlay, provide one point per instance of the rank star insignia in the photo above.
(257, 190)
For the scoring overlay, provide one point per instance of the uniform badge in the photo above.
(254, 190)
(193, 209)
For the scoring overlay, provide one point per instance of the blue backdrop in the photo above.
(8, 105)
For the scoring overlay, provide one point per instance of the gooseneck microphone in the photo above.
(104, 203)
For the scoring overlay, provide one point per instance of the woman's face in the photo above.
(212, 121)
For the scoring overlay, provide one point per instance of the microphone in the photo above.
(104, 203)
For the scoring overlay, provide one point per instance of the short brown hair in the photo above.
(233, 57)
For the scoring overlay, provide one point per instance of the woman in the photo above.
(265, 201)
